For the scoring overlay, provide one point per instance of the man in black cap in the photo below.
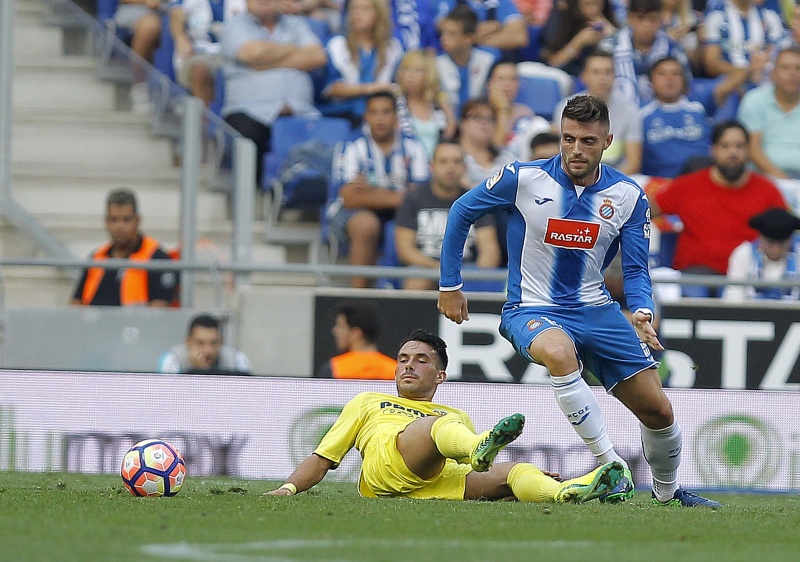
(772, 256)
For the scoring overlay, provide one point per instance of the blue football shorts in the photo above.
(604, 339)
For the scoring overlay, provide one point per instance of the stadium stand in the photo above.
(293, 185)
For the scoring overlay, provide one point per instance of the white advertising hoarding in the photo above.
(254, 427)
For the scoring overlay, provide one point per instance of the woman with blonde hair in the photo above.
(681, 23)
(360, 62)
(424, 110)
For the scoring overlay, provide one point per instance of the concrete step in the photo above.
(50, 287)
(86, 201)
(78, 116)
(64, 83)
(34, 39)
(90, 142)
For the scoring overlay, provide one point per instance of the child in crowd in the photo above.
(428, 114)
(463, 68)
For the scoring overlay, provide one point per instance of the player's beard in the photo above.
(732, 172)
(580, 174)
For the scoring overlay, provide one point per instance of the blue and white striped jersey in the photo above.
(560, 237)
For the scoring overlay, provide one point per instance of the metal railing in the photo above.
(193, 128)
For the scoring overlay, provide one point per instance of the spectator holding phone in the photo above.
(573, 30)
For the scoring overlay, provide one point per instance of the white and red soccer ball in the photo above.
(153, 468)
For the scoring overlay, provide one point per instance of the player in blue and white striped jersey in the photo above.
(568, 217)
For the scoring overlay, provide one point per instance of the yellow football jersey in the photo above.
(372, 414)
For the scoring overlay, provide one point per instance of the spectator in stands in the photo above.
(143, 19)
(422, 217)
(715, 205)
(361, 62)
(375, 171)
(674, 128)
(500, 25)
(772, 115)
(127, 286)
(545, 145)
(413, 22)
(203, 352)
(463, 69)
(574, 29)
(269, 57)
(625, 153)
(681, 23)
(475, 133)
(196, 26)
(327, 11)
(356, 330)
(516, 122)
(741, 34)
(637, 46)
(426, 113)
(773, 256)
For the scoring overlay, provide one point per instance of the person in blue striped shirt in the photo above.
(568, 217)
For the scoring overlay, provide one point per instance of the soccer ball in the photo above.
(153, 468)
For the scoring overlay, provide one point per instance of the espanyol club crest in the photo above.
(533, 324)
(606, 210)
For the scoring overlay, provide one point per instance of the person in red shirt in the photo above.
(715, 205)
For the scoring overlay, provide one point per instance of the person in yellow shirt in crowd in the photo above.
(414, 448)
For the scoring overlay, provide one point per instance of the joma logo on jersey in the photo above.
(571, 234)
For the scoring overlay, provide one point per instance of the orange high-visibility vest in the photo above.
(134, 287)
(363, 365)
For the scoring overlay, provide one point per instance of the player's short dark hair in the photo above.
(383, 94)
(465, 16)
(586, 109)
(544, 138)
(645, 6)
(363, 315)
(436, 343)
(204, 321)
(122, 196)
(720, 129)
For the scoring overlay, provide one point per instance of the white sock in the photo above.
(579, 404)
(662, 450)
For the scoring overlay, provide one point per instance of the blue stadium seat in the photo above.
(389, 258)
(106, 10)
(162, 58)
(541, 94)
(286, 133)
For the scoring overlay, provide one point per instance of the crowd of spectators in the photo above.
(410, 75)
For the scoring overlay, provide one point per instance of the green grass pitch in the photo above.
(77, 517)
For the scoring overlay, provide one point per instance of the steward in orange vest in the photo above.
(128, 286)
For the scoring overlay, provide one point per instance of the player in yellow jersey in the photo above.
(413, 448)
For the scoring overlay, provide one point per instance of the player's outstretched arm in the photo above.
(641, 321)
(308, 474)
(453, 304)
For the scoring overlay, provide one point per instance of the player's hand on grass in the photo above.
(453, 304)
(287, 489)
(641, 322)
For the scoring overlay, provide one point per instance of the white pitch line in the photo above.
(237, 552)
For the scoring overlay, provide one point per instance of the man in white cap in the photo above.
(773, 256)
